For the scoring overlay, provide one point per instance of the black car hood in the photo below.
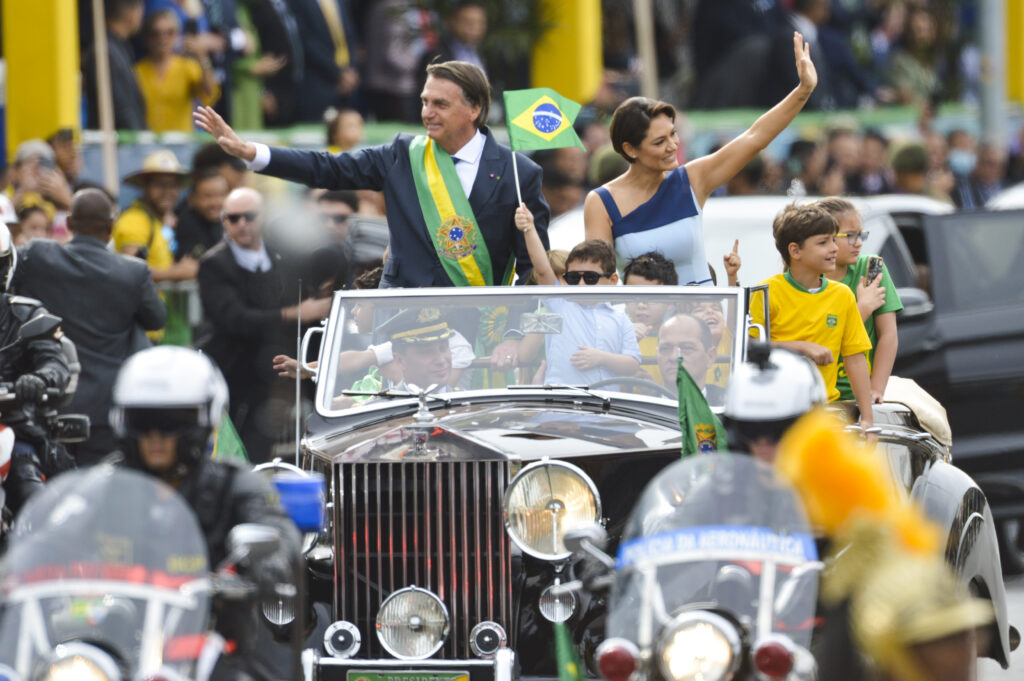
(524, 429)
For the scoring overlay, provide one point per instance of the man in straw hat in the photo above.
(140, 231)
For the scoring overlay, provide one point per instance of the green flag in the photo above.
(702, 431)
(565, 655)
(540, 118)
(228, 446)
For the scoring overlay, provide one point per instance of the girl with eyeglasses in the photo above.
(877, 299)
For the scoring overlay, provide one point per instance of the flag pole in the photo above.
(515, 171)
(298, 379)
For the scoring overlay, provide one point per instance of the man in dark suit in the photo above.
(245, 320)
(687, 337)
(456, 98)
(106, 301)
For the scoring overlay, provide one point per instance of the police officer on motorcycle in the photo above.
(33, 365)
(167, 405)
(766, 395)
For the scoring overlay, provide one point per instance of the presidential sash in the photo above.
(449, 217)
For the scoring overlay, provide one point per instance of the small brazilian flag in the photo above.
(228, 445)
(540, 118)
(702, 431)
(565, 655)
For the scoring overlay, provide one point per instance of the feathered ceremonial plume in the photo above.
(842, 480)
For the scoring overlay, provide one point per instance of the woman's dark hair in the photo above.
(471, 79)
(632, 119)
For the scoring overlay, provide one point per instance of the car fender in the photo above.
(953, 501)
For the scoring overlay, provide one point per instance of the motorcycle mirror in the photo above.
(39, 326)
(70, 428)
(253, 540)
(588, 540)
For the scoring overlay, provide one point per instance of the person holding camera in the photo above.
(877, 300)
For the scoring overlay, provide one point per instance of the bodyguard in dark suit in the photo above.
(456, 99)
(245, 321)
(106, 300)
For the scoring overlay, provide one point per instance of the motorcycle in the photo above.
(106, 579)
(715, 578)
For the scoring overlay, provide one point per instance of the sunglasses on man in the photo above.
(235, 217)
(589, 278)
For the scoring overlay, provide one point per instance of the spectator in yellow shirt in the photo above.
(143, 228)
(171, 83)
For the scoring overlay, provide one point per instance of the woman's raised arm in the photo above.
(710, 172)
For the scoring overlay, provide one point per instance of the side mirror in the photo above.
(71, 428)
(593, 533)
(916, 303)
(39, 326)
(588, 541)
(253, 540)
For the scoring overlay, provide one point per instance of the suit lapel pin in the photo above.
(492, 176)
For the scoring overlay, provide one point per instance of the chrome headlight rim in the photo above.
(441, 639)
(105, 667)
(529, 470)
(723, 627)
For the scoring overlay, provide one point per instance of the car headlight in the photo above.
(79, 662)
(699, 646)
(412, 623)
(546, 500)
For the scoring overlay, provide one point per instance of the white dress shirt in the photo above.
(251, 260)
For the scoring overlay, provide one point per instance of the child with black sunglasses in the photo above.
(597, 341)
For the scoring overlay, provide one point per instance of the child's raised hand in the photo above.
(871, 296)
(524, 219)
(732, 261)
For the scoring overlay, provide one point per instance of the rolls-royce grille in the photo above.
(434, 525)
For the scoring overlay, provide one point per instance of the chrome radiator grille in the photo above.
(436, 525)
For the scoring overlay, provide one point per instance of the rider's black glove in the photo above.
(30, 388)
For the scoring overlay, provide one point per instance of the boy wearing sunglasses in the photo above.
(597, 341)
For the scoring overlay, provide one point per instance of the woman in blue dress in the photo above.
(657, 204)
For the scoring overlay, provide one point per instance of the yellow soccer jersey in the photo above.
(137, 227)
(828, 317)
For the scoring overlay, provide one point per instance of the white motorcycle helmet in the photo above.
(172, 390)
(8, 257)
(768, 393)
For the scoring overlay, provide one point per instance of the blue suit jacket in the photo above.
(413, 260)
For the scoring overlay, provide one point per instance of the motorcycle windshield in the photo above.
(112, 559)
(716, 532)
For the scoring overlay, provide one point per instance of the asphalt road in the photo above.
(988, 670)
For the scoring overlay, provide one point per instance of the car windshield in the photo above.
(387, 344)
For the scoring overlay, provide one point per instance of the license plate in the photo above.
(360, 675)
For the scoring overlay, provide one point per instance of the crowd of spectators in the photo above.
(281, 62)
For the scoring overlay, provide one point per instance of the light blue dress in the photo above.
(669, 223)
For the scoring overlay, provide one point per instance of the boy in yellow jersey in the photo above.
(811, 314)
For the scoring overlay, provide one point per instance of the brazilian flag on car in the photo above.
(702, 431)
(540, 118)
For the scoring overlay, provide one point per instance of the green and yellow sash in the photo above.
(449, 217)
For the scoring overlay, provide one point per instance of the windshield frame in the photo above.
(332, 339)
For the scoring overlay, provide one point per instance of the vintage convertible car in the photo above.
(452, 481)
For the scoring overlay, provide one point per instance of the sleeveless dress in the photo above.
(669, 223)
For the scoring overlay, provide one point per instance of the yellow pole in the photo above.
(1015, 50)
(43, 89)
(567, 58)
